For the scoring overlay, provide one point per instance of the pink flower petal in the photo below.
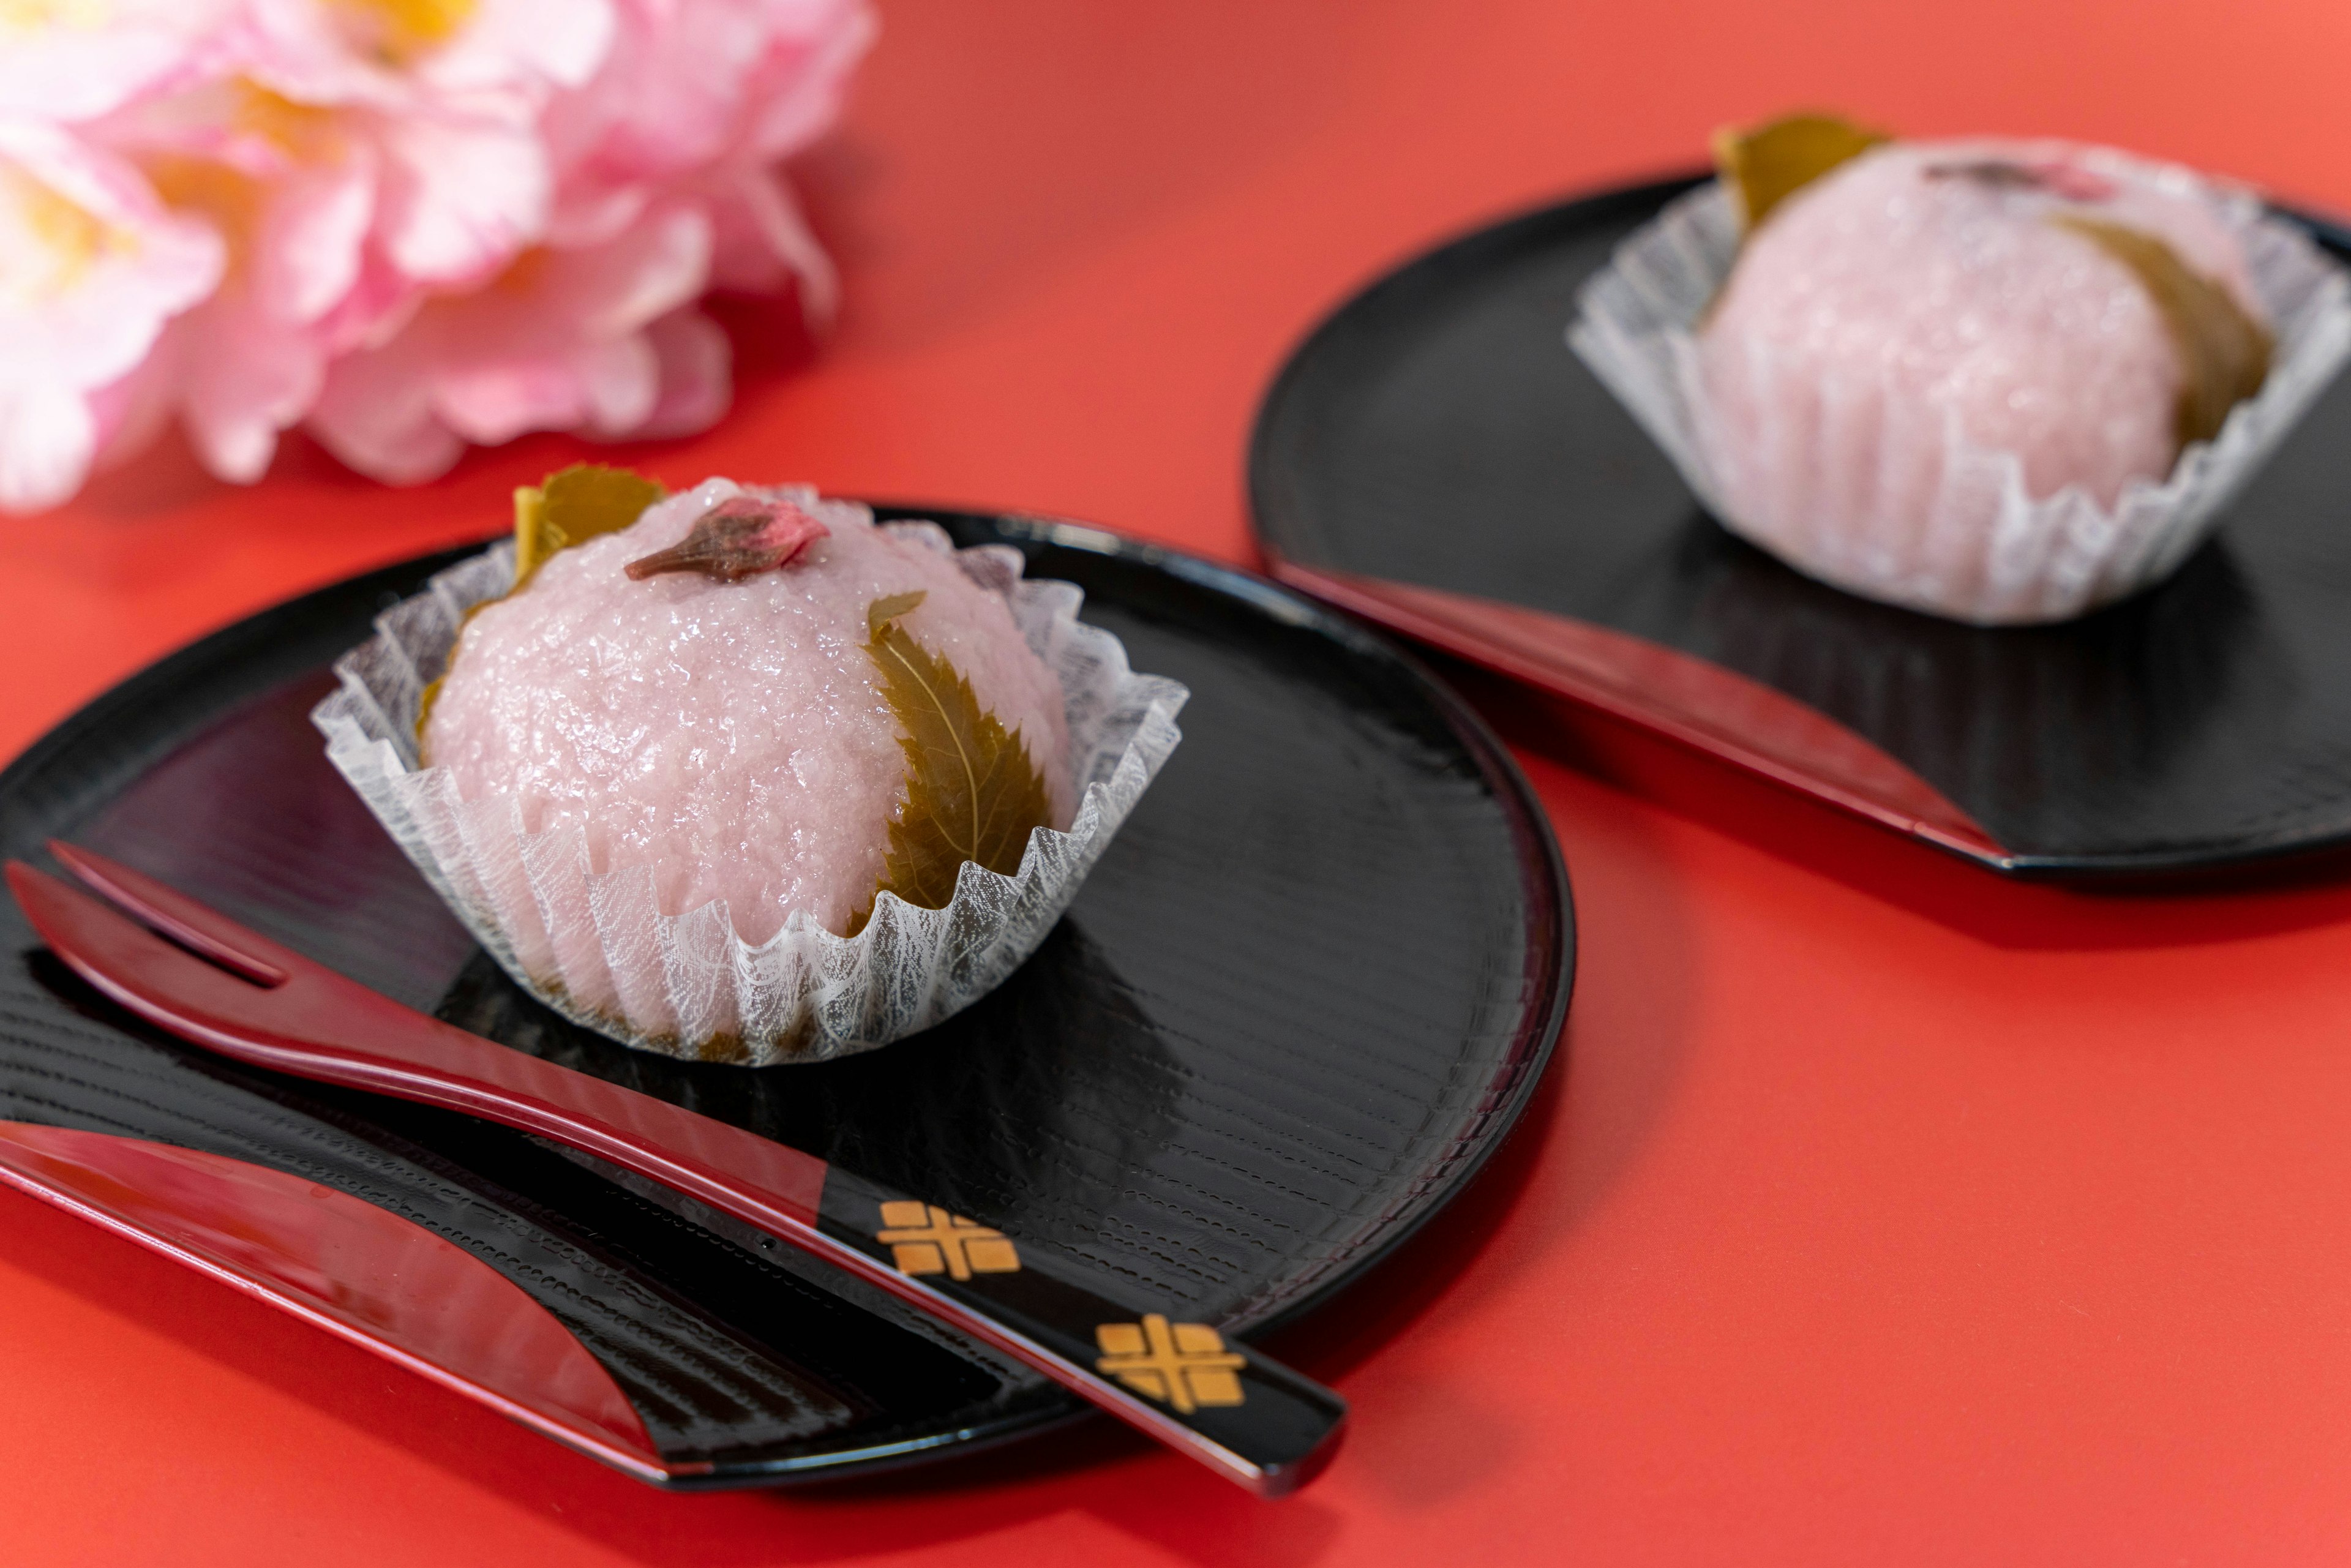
(380, 304)
(91, 268)
(646, 273)
(133, 409)
(93, 265)
(696, 375)
(797, 92)
(557, 42)
(557, 342)
(763, 240)
(313, 236)
(491, 403)
(379, 420)
(412, 226)
(46, 440)
(413, 59)
(58, 66)
(246, 373)
(588, 214)
(619, 382)
(459, 199)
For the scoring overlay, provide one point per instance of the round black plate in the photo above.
(1305, 994)
(1437, 430)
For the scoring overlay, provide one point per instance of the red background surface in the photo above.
(1883, 1211)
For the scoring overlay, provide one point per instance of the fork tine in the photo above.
(130, 963)
(179, 918)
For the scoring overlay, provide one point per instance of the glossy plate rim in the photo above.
(1280, 532)
(227, 658)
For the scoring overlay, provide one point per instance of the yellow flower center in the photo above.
(230, 199)
(39, 16)
(397, 31)
(47, 242)
(299, 131)
(523, 273)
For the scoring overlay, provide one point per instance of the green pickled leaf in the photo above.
(1765, 166)
(972, 791)
(424, 701)
(573, 506)
(2224, 353)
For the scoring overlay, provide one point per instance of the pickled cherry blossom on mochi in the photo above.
(730, 734)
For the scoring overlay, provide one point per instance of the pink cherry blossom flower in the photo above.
(292, 191)
(68, 60)
(91, 266)
(700, 99)
(413, 223)
(597, 338)
(446, 95)
(710, 95)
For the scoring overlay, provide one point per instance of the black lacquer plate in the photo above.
(1305, 994)
(1437, 432)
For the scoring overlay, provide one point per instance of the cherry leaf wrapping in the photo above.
(2224, 353)
(573, 505)
(972, 792)
(1765, 166)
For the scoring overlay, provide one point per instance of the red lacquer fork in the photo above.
(238, 993)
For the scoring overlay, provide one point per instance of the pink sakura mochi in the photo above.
(731, 736)
(1924, 286)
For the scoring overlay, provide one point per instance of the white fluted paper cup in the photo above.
(1850, 484)
(593, 944)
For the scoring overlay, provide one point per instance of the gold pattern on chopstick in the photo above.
(1183, 1364)
(924, 1238)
